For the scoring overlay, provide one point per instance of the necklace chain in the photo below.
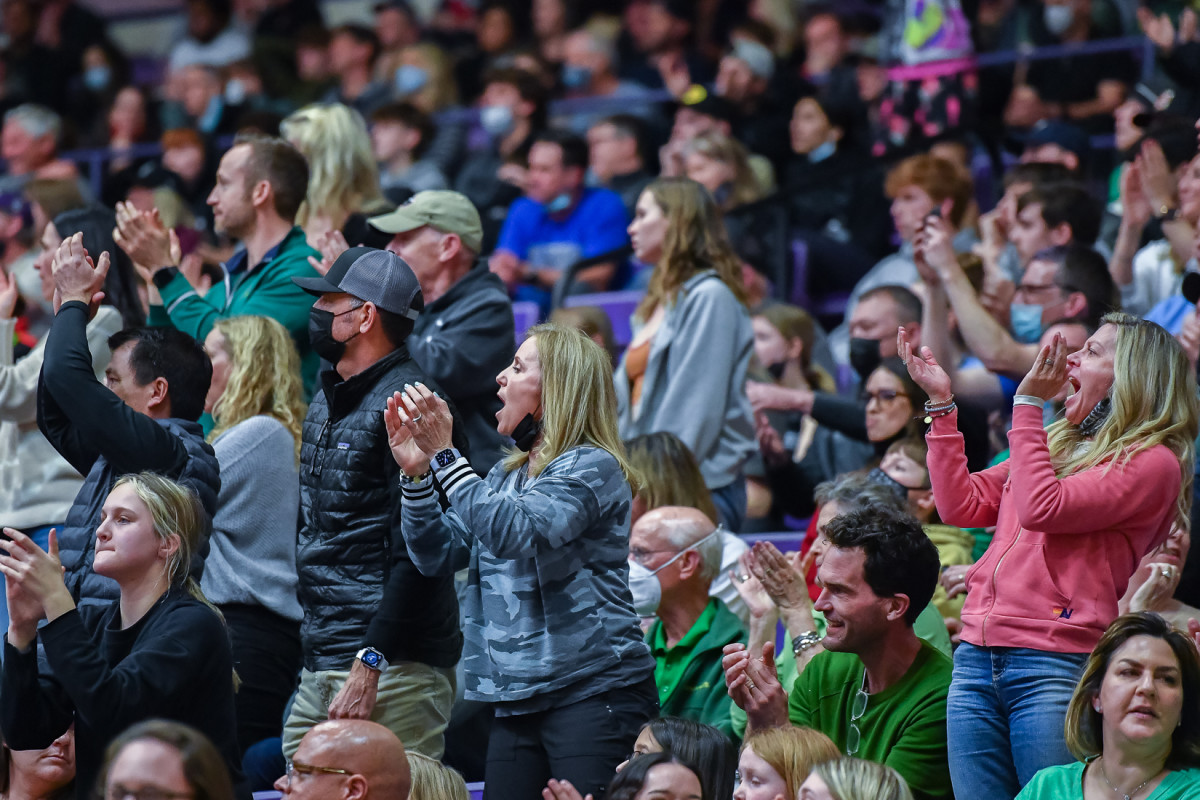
(1125, 795)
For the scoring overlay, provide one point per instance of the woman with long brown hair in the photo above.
(685, 369)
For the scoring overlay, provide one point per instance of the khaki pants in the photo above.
(414, 702)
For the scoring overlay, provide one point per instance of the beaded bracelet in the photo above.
(933, 411)
(804, 641)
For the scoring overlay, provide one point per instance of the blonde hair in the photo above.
(729, 151)
(342, 175)
(442, 89)
(433, 780)
(264, 377)
(670, 474)
(579, 403)
(793, 322)
(855, 779)
(695, 241)
(1153, 402)
(792, 752)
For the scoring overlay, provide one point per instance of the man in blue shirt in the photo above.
(558, 223)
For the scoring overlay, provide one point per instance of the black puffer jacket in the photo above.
(357, 585)
(104, 439)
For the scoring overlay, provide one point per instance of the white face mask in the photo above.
(644, 585)
(1058, 18)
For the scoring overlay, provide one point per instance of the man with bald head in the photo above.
(347, 759)
(674, 554)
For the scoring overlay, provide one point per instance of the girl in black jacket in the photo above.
(159, 651)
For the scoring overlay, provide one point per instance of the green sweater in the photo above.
(265, 290)
(1066, 783)
(691, 683)
(903, 726)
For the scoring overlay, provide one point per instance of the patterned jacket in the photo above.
(547, 602)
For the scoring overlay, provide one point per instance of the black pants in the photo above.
(266, 655)
(582, 743)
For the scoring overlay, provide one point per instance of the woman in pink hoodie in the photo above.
(1075, 506)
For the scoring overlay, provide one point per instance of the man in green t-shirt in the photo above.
(877, 690)
(679, 549)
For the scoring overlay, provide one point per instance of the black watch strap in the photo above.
(165, 276)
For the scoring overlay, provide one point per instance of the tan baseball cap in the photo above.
(449, 212)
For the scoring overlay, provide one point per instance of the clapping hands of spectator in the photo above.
(330, 244)
(782, 578)
(674, 72)
(954, 580)
(924, 369)
(427, 418)
(1048, 374)
(753, 683)
(934, 250)
(1161, 31)
(1159, 587)
(36, 580)
(507, 266)
(751, 589)
(149, 244)
(562, 790)
(1158, 184)
(76, 276)
(1189, 336)
(770, 443)
(1135, 206)
(769, 397)
(408, 455)
(8, 295)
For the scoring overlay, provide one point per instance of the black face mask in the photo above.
(1095, 418)
(320, 334)
(526, 433)
(776, 370)
(864, 356)
(878, 476)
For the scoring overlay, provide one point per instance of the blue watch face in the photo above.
(371, 659)
(445, 457)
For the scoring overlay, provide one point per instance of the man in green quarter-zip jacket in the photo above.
(261, 183)
(678, 550)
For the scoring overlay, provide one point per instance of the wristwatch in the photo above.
(164, 276)
(804, 641)
(445, 458)
(372, 659)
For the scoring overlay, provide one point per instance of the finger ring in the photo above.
(1166, 573)
(750, 684)
(743, 578)
(1048, 362)
(417, 418)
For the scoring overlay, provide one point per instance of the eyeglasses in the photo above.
(296, 768)
(640, 555)
(1026, 289)
(119, 791)
(884, 395)
(854, 738)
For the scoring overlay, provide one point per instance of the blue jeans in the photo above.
(1005, 715)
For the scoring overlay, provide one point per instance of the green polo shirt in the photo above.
(691, 683)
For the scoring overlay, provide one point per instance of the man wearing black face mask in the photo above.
(873, 325)
(380, 640)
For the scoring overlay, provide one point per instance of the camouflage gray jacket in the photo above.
(547, 602)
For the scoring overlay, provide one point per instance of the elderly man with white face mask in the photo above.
(674, 554)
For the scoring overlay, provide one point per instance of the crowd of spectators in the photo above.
(773, 399)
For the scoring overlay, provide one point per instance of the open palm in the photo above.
(411, 458)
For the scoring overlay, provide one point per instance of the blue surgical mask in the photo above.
(1026, 321)
(822, 151)
(497, 120)
(1058, 18)
(235, 92)
(576, 77)
(97, 78)
(410, 79)
(559, 203)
